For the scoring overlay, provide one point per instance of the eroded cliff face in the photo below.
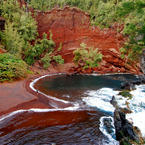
(71, 27)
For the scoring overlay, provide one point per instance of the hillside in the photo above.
(51, 36)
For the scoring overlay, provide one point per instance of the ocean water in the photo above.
(88, 121)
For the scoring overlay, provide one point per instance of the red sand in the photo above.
(17, 95)
(13, 94)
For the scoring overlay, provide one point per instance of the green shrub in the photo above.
(20, 28)
(45, 5)
(87, 57)
(131, 13)
(33, 53)
(22, 20)
(11, 40)
(58, 59)
(49, 57)
(126, 94)
(46, 60)
(11, 68)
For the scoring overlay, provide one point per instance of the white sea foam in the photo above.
(137, 105)
(33, 88)
(103, 129)
(138, 120)
(100, 99)
(107, 74)
(75, 108)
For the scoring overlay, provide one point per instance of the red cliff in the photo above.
(71, 27)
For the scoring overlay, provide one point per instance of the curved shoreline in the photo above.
(18, 95)
(53, 101)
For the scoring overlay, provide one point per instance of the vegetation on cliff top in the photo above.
(104, 13)
(20, 35)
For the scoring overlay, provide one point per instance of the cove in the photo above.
(83, 123)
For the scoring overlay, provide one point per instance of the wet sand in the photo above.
(14, 96)
(17, 95)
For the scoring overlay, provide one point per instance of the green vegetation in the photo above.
(33, 53)
(87, 57)
(20, 40)
(44, 5)
(131, 14)
(20, 37)
(126, 94)
(20, 28)
(48, 58)
(104, 13)
(11, 67)
(12, 40)
(58, 59)
(21, 20)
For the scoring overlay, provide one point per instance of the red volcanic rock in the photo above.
(0, 50)
(71, 27)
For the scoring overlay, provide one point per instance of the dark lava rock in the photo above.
(114, 102)
(131, 85)
(108, 125)
(124, 129)
(127, 86)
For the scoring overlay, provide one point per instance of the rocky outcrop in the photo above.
(71, 27)
(131, 85)
(126, 133)
(124, 129)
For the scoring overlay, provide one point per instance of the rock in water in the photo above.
(124, 129)
(114, 102)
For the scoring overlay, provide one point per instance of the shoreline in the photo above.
(18, 94)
